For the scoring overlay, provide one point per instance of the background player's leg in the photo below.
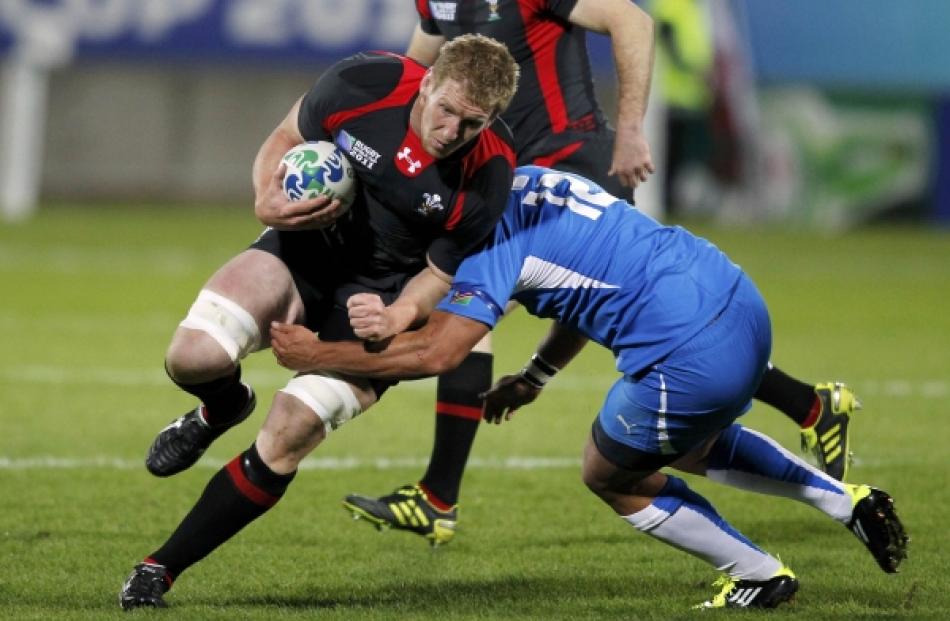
(823, 412)
(792, 397)
(458, 412)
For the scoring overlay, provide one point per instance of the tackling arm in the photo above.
(437, 347)
(631, 38)
(561, 345)
(510, 392)
(372, 320)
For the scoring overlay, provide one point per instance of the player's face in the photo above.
(447, 120)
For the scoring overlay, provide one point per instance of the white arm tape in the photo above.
(332, 399)
(538, 371)
(226, 322)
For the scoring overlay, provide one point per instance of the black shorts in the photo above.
(588, 154)
(627, 457)
(322, 269)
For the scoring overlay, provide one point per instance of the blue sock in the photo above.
(752, 461)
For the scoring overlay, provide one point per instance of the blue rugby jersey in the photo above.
(567, 250)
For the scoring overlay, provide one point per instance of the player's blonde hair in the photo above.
(485, 68)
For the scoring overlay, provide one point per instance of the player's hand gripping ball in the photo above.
(318, 169)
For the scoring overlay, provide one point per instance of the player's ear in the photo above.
(425, 86)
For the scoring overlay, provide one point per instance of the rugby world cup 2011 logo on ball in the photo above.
(318, 169)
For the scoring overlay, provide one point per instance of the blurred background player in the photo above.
(557, 122)
(690, 334)
(434, 166)
(712, 160)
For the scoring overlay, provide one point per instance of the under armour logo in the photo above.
(629, 426)
(406, 154)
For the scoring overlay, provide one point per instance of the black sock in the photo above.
(458, 411)
(238, 494)
(223, 398)
(787, 394)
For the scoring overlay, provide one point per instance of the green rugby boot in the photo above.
(408, 509)
(827, 438)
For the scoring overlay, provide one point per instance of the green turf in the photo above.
(89, 298)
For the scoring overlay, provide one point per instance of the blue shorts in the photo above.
(700, 388)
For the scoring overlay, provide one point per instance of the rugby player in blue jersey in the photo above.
(558, 122)
(691, 337)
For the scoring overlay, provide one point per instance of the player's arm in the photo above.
(560, 346)
(437, 347)
(271, 205)
(424, 47)
(631, 37)
(374, 321)
(510, 392)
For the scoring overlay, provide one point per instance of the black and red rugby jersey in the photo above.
(556, 89)
(409, 205)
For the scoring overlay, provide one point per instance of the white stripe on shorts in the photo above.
(663, 435)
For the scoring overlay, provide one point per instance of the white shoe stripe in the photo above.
(753, 593)
(859, 531)
(743, 597)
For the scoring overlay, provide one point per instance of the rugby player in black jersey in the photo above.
(434, 165)
(557, 122)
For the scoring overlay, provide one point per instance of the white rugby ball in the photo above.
(318, 169)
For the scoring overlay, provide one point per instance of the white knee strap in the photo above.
(224, 321)
(331, 398)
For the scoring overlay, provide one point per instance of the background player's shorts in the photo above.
(588, 154)
(699, 389)
(322, 274)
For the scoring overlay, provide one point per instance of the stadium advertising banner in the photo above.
(202, 30)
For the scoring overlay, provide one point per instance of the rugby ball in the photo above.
(318, 169)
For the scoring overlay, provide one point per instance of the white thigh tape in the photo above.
(224, 321)
(332, 399)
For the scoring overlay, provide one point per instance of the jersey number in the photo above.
(581, 200)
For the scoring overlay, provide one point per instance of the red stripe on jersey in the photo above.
(549, 160)
(412, 73)
(422, 6)
(489, 145)
(244, 485)
(454, 409)
(542, 38)
(456, 213)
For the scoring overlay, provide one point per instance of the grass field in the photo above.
(89, 298)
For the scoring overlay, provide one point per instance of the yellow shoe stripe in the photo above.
(404, 513)
(832, 455)
(421, 516)
(836, 430)
(397, 511)
(409, 510)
